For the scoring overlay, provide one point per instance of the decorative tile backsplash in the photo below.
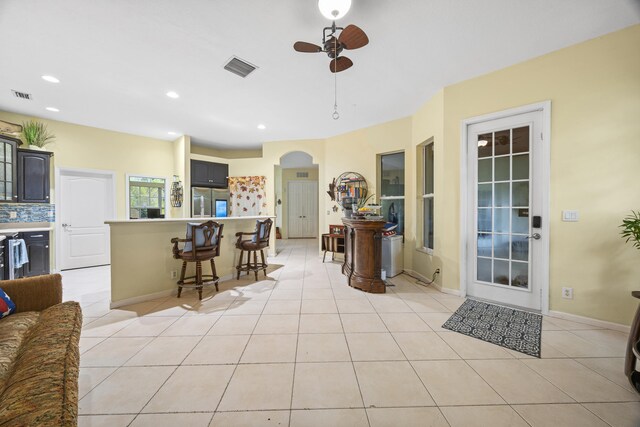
(27, 212)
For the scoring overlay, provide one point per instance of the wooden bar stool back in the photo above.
(258, 242)
(202, 243)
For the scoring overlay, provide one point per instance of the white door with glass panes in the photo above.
(505, 202)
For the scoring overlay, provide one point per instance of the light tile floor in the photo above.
(301, 348)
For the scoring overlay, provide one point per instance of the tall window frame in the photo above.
(428, 196)
(392, 191)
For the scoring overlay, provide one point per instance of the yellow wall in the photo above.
(594, 88)
(85, 147)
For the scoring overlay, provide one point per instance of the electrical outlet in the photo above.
(13, 215)
(567, 293)
(328, 212)
(174, 274)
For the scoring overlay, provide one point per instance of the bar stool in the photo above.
(258, 242)
(202, 243)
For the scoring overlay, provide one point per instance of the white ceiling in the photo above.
(116, 59)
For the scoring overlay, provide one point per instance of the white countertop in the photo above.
(24, 229)
(199, 219)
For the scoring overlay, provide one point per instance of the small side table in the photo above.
(333, 243)
(633, 349)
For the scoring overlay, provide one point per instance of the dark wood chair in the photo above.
(202, 243)
(333, 241)
(258, 242)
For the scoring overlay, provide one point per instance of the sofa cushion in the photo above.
(42, 389)
(6, 305)
(13, 332)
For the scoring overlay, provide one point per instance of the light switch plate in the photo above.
(570, 216)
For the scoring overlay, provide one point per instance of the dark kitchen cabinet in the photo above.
(34, 176)
(209, 174)
(8, 169)
(38, 251)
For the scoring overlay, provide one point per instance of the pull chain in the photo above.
(335, 115)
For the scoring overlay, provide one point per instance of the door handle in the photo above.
(535, 236)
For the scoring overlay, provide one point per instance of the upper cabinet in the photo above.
(209, 174)
(34, 176)
(8, 169)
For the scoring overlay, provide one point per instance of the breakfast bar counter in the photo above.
(142, 264)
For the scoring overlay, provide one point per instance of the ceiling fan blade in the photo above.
(307, 47)
(340, 64)
(353, 37)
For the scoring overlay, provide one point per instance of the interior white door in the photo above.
(85, 203)
(504, 198)
(302, 205)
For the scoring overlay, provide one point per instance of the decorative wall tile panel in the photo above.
(27, 212)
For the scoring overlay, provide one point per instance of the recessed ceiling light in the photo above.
(172, 133)
(172, 94)
(261, 127)
(54, 109)
(50, 79)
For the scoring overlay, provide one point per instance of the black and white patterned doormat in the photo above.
(513, 329)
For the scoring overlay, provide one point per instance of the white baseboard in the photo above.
(142, 298)
(435, 285)
(155, 295)
(589, 321)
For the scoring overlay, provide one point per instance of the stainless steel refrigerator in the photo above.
(209, 202)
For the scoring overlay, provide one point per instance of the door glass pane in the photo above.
(1, 171)
(484, 219)
(484, 195)
(2, 148)
(520, 221)
(484, 170)
(502, 195)
(503, 142)
(501, 217)
(9, 188)
(501, 272)
(502, 168)
(520, 248)
(503, 208)
(484, 269)
(520, 274)
(501, 246)
(9, 153)
(485, 145)
(9, 173)
(521, 140)
(2, 193)
(428, 223)
(521, 166)
(520, 193)
(393, 211)
(484, 246)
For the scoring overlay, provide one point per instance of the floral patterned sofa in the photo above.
(39, 355)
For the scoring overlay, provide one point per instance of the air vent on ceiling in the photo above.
(22, 95)
(302, 174)
(239, 67)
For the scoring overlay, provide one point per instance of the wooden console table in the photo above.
(363, 254)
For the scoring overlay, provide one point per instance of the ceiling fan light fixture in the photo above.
(334, 9)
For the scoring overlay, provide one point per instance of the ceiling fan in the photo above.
(351, 37)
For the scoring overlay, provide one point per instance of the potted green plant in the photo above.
(631, 228)
(36, 135)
